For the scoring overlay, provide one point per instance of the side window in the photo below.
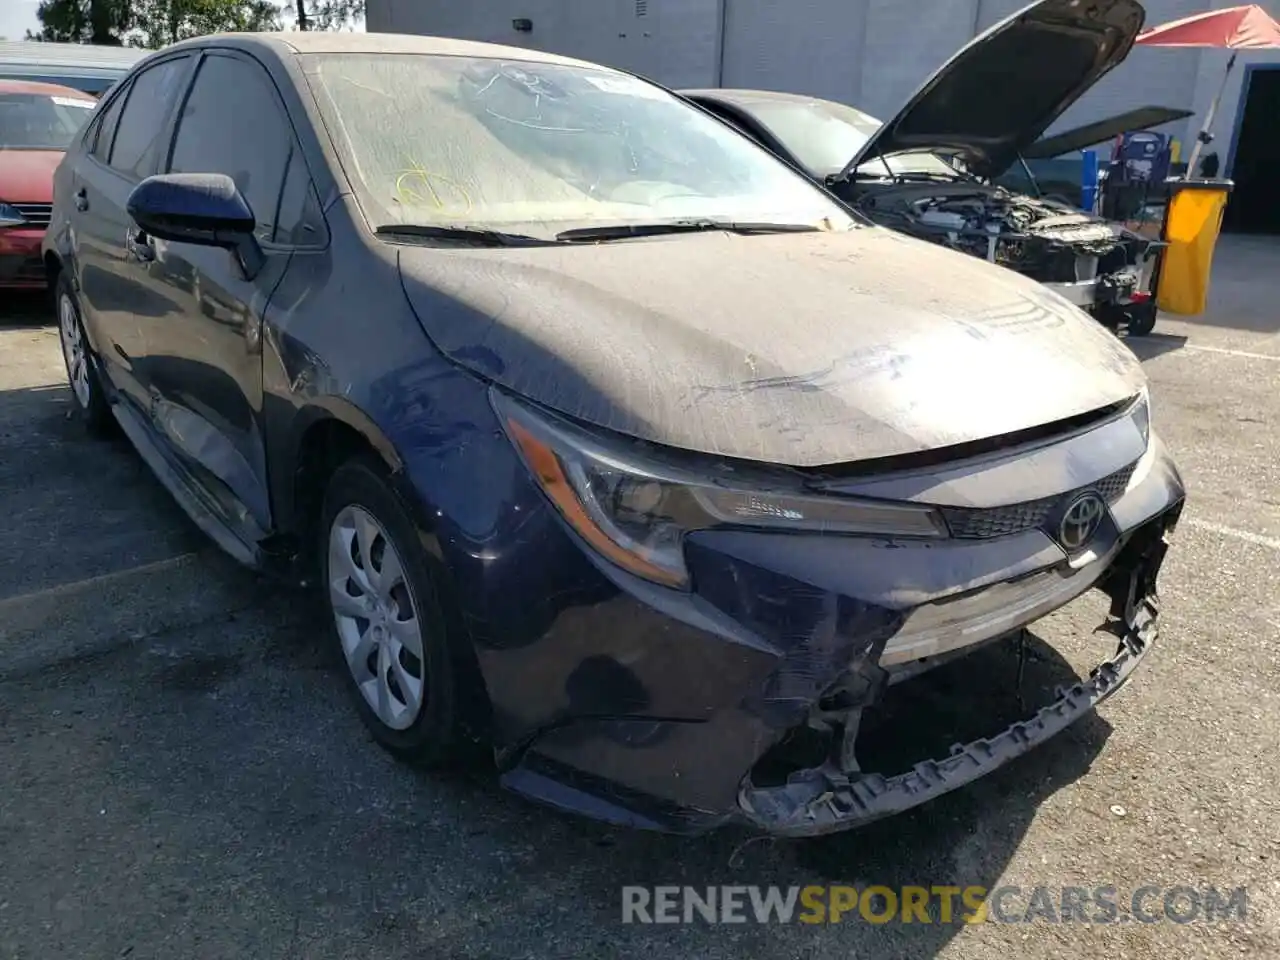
(139, 132)
(104, 130)
(300, 222)
(233, 123)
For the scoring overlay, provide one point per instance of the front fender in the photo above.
(291, 439)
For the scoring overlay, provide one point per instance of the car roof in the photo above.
(37, 87)
(324, 41)
(752, 96)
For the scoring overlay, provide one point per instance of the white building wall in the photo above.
(674, 41)
(873, 53)
(903, 47)
(765, 46)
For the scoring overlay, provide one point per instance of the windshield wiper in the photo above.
(622, 231)
(480, 236)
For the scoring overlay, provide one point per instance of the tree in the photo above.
(327, 14)
(160, 22)
(154, 23)
(149, 23)
(82, 21)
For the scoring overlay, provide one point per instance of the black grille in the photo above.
(37, 214)
(983, 524)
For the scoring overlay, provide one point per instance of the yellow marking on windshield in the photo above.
(417, 186)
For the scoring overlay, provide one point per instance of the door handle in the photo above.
(139, 245)
(82, 200)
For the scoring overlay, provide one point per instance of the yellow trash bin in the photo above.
(1191, 225)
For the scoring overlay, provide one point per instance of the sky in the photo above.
(17, 17)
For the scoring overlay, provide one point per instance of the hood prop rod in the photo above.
(1031, 177)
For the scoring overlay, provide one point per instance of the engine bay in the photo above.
(1048, 240)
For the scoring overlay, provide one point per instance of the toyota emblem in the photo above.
(1081, 521)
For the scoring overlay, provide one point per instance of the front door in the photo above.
(205, 361)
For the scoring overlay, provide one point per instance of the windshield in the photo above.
(825, 136)
(39, 121)
(490, 143)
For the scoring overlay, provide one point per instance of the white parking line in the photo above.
(63, 589)
(1232, 353)
(1255, 538)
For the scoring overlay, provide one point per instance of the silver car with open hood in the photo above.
(930, 171)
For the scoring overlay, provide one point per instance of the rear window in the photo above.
(40, 121)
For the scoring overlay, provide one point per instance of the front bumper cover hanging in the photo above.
(836, 796)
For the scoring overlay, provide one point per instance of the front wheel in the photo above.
(87, 396)
(382, 601)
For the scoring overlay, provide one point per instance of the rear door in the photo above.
(205, 358)
(125, 147)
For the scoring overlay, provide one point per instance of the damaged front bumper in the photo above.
(665, 775)
(834, 797)
(1130, 285)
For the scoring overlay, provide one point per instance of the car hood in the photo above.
(1002, 91)
(796, 349)
(26, 176)
(1103, 131)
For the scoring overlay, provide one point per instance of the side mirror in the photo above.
(203, 208)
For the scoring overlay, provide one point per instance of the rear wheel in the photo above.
(87, 395)
(1141, 319)
(381, 596)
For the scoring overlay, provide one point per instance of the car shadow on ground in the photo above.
(226, 757)
(1155, 344)
(966, 838)
(26, 309)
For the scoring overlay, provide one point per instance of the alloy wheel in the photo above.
(73, 350)
(376, 617)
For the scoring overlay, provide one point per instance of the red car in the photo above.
(37, 123)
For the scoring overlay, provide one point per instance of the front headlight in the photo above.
(635, 511)
(11, 216)
(1140, 413)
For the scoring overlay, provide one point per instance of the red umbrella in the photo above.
(1235, 28)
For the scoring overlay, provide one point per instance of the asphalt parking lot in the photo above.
(180, 775)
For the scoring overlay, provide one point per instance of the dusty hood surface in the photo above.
(797, 349)
(996, 96)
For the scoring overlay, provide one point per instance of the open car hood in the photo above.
(1102, 131)
(997, 96)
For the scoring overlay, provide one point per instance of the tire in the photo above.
(1108, 315)
(379, 661)
(88, 399)
(1141, 320)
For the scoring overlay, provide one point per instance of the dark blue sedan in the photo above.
(605, 437)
